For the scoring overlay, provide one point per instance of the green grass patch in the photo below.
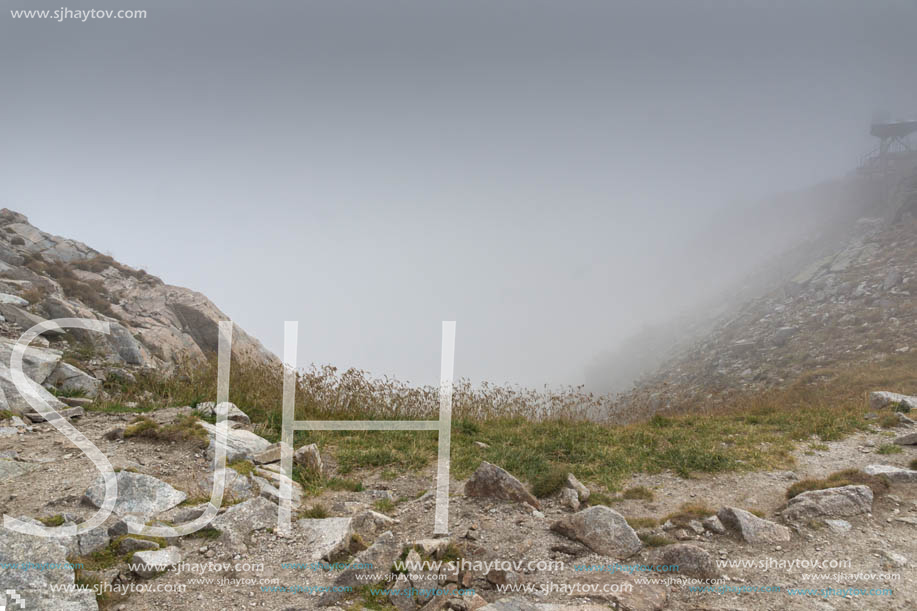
(600, 498)
(185, 429)
(385, 505)
(55, 520)
(350, 485)
(208, 532)
(641, 493)
(5, 414)
(847, 477)
(889, 448)
(550, 482)
(654, 540)
(243, 467)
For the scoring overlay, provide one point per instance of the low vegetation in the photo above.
(889, 448)
(537, 436)
(641, 493)
(184, 429)
(688, 512)
(847, 477)
(316, 512)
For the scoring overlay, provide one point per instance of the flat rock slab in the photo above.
(10, 469)
(147, 565)
(750, 528)
(34, 586)
(493, 482)
(907, 440)
(236, 487)
(829, 503)
(240, 444)
(239, 520)
(62, 411)
(894, 474)
(138, 494)
(325, 537)
(603, 530)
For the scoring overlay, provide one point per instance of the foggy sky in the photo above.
(544, 173)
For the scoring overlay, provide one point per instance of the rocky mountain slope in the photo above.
(153, 324)
(854, 303)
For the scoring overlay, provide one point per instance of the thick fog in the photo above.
(553, 176)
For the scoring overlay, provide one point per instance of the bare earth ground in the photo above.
(499, 530)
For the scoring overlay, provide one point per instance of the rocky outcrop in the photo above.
(153, 324)
(493, 482)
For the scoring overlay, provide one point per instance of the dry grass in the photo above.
(642, 522)
(688, 512)
(184, 429)
(755, 431)
(641, 493)
(847, 477)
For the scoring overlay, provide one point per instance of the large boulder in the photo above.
(750, 528)
(493, 482)
(35, 586)
(882, 399)
(829, 503)
(691, 560)
(603, 530)
(240, 444)
(138, 494)
(894, 474)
